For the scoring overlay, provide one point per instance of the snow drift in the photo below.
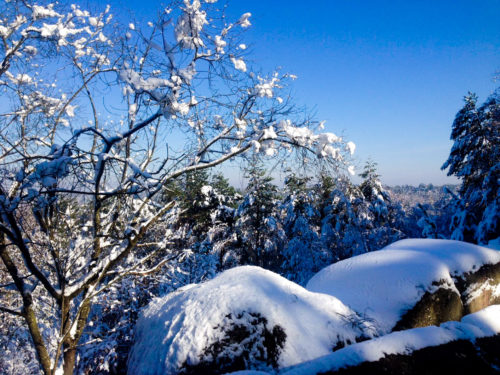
(485, 323)
(246, 317)
(384, 285)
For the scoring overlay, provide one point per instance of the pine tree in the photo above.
(374, 193)
(258, 230)
(384, 223)
(195, 201)
(220, 239)
(475, 159)
(227, 194)
(343, 219)
(303, 255)
(427, 222)
(202, 230)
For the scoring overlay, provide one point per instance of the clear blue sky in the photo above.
(389, 75)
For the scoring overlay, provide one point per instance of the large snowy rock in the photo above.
(246, 317)
(414, 283)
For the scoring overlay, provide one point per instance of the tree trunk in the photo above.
(36, 336)
(71, 342)
(69, 359)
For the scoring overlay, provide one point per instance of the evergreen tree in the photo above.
(227, 194)
(258, 230)
(475, 159)
(220, 239)
(343, 220)
(374, 193)
(202, 230)
(427, 222)
(303, 255)
(384, 223)
(195, 201)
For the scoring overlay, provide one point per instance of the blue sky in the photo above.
(389, 75)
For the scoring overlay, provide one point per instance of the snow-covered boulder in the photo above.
(245, 318)
(414, 283)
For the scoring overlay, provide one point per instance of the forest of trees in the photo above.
(99, 215)
(294, 230)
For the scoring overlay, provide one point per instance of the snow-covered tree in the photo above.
(344, 219)
(374, 193)
(258, 229)
(190, 102)
(428, 204)
(385, 218)
(475, 159)
(205, 225)
(358, 219)
(303, 254)
(219, 238)
(427, 223)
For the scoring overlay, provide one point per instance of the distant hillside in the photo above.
(409, 195)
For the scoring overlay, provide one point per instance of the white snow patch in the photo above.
(351, 147)
(476, 290)
(70, 110)
(219, 44)
(239, 64)
(44, 12)
(483, 323)
(244, 20)
(190, 24)
(460, 257)
(269, 133)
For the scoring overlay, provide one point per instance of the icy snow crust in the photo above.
(383, 285)
(483, 323)
(178, 327)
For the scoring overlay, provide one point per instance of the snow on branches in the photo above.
(99, 119)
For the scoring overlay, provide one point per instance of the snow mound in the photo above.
(460, 257)
(383, 285)
(244, 318)
(484, 323)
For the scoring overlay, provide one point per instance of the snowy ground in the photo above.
(359, 298)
